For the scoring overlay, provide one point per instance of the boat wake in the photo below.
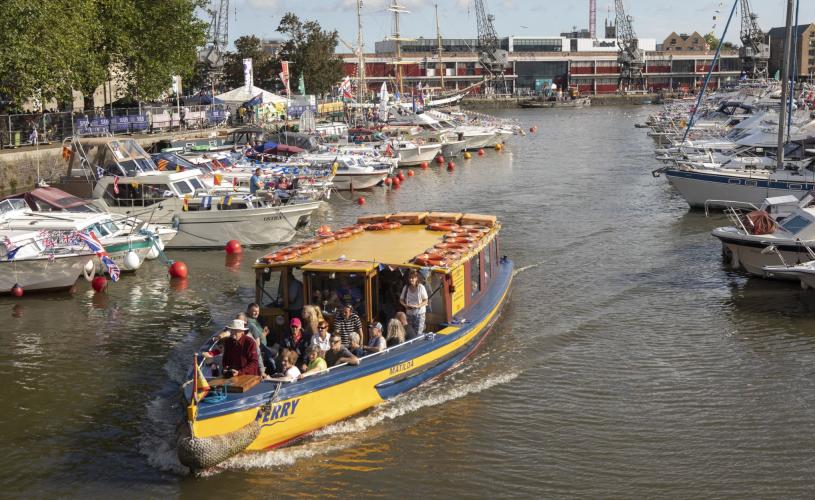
(526, 268)
(347, 433)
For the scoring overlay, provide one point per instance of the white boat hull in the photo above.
(696, 191)
(423, 153)
(362, 180)
(265, 226)
(41, 273)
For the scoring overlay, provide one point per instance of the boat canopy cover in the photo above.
(303, 141)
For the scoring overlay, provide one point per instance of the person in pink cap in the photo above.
(297, 341)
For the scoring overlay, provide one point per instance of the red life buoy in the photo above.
(283, 256)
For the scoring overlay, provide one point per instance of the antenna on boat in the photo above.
(785, 75)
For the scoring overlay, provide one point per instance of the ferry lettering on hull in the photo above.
(280, 412)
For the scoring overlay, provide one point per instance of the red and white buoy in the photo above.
(178, 270)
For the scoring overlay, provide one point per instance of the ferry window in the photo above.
(475, 275)
(487, 264)
(796, 224)
(268, 288)
(436, 310)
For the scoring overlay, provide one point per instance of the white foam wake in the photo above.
(347, 433)
(525, 268)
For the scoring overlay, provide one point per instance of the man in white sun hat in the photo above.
(240, 351)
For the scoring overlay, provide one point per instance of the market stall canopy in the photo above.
(239, 96)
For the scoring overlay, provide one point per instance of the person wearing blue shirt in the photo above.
(255, 182)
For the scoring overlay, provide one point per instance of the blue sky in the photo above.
(652, 18)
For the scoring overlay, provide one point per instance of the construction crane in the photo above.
(593, 18)
(217, 35)
(630, 58)
(491, 57)
(754, 52)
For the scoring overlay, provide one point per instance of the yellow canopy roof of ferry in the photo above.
(390, 246)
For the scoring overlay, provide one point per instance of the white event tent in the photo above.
(239, 96)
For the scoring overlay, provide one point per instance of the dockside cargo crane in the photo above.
(491, 57)
(630, 58)
(217, 34)
(754, 53)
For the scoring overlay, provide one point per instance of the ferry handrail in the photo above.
(727, 204)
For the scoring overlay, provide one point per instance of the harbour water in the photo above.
(631, 362)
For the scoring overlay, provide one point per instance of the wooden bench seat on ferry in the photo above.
(238, 383)
(408, 218)
(443, 217)
(482, 220)
(371, 219)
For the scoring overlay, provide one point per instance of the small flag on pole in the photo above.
(116, 184)
(113, 269)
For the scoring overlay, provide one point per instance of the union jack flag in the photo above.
(92, 242)
(113, 269)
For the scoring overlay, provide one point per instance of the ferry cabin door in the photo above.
(268, 281)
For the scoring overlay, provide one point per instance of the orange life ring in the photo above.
(342, 234)
(427, 259)
(461, 240)
(358, 228)
(324, 236)
(283, 256)
(458, 247)
(442, 226)
(392, 225)
(379, 226)
(313, 243)
(328, 238)
(476, 227)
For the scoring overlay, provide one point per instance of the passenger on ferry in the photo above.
(339, 354)
(349, 294)
(414, 299)
(323, 338)
(396, 332)
(296, 299)
(240, 355)
(348, 322)
(316, 363)
(409, 331)
(289, 363)
(260, 331)
(311, 319)
(256, 334)
(376, 342)
(356, 345)
(297, 341)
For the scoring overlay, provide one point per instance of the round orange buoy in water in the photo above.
(233, 246)
(424, 165)
(387, 181)
(440, 159)
(17, 290)
(467, 155)
(99, 283)
(533, 129)
(410, 173)
(178, 269)
(499, 147)
(451, 165)
(401, 176)
(360, 201)
(480, 152)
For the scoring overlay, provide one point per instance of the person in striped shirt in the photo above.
(348, 322)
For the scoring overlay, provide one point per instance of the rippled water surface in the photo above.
(630, 362)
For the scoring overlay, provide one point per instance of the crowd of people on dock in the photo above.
(246, 345)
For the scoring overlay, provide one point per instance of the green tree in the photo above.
(264, 67)
(49, 48)
(311, 51)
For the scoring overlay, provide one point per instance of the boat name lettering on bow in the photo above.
(402, 367)
(281, 410)
(272, 218)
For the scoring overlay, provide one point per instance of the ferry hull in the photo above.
(310, 404)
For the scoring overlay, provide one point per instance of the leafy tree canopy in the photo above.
(311, 51)
(49, 48)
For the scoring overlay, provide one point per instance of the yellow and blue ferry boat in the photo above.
(468, 282)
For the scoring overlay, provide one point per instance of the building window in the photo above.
(673, 41)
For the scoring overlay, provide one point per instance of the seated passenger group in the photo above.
(309, 348)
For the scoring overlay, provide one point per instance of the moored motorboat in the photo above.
(467, 280)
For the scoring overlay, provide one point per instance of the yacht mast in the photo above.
(785, 76)
(397, 9)
(361, 85)
(439, 49)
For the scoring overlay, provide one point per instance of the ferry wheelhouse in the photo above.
(468, 283)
